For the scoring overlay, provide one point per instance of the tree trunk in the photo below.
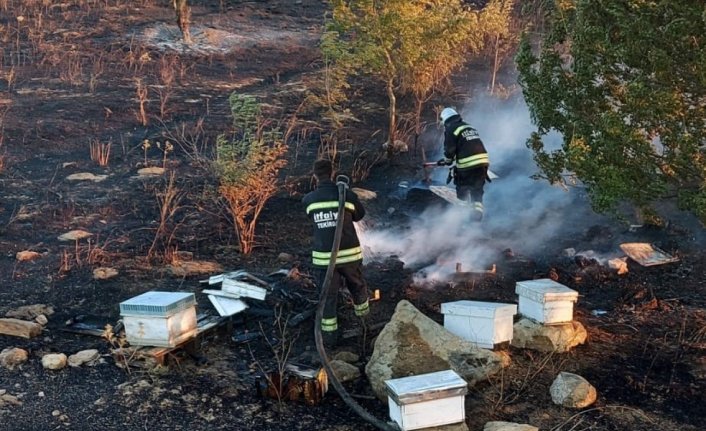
(392, 131)
(183, 13)
(495, 63)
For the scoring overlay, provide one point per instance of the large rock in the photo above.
(508, 426)
(412, 344)
(12, 357)
(527, 334)
(573, 391)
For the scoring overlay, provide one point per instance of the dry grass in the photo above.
(169, 203)
(142, 92)
(100, 152)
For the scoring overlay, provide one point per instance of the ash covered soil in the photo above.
(646, 347)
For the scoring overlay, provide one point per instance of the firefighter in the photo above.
(462, 144)
(322, 206)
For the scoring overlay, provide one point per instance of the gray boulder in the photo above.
(412, 344)
(573, 391)
(560, 338)
(508, 426)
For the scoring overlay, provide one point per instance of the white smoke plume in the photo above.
(520, 213)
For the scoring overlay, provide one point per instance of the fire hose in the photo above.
(342, 183)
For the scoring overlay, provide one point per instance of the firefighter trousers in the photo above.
(469, 188)
(352, 275)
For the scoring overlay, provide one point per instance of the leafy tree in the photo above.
(247, 166)
(409, 45)
(497, 20)
(624, 82)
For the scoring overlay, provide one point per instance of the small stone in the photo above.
(30, 312)
(86, 176)
(345, 356)
(9, 400)
(344, 371)
(88, 357)
(41, 394)
(42, 320)
(26, 255)
(508, 426)
(54, 361)
(13, 357)
(55, 413)
(285, 257)
(104, 273)
(74, 235)
(151, 171)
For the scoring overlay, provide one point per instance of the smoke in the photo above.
(521, 213)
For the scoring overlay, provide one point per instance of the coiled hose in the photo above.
(342, 183)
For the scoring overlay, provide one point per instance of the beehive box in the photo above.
(162, 319)
(483, 323)
(427, 400)
(546, 301)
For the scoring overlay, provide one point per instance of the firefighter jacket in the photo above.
(462, 143)
(322, 206)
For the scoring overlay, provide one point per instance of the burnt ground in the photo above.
(69, 79)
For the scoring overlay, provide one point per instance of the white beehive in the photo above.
(546, 301)
(484, 323)
(163, 319)
(427, 400)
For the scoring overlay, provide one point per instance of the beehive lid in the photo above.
(425, 387)
(647, 254)
(478, 309)
(545, 290)
(160, 304)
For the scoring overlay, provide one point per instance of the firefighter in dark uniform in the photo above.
(462, 144)
(322, 206)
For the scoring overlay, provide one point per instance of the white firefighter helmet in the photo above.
(447, 113)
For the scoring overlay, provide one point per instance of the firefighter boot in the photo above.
(330, 339)
(477, 211)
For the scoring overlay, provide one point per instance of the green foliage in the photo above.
(330, 93)
(625, 85)
(409, 45)
(248, 165)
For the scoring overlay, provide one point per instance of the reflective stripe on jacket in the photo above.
(322, 208)
(463, 144)
(322, 258)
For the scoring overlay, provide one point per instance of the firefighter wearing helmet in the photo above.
(462, 144)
